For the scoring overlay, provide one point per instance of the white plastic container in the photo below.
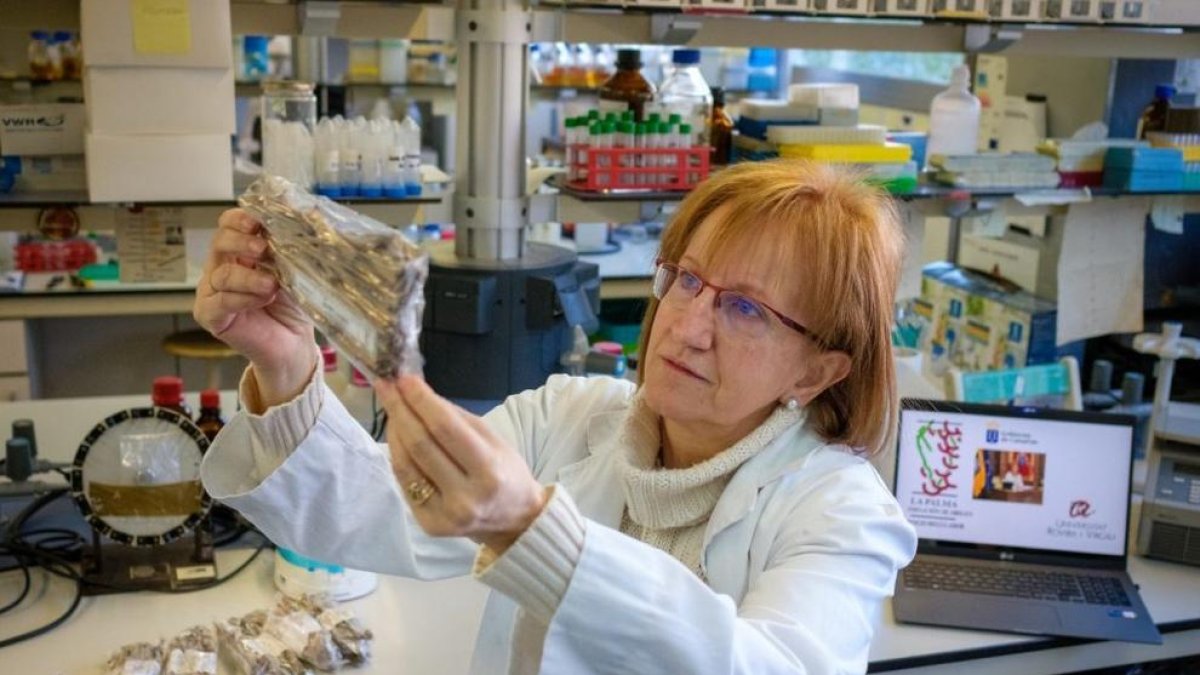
(1017, 10)
(842, 6)
(1073, 10)
(902, 7)
(393, 61)
(1125, 11)
(780, 5)
(954, 118)
(686, 93)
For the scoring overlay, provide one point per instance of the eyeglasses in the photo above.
(740, 313)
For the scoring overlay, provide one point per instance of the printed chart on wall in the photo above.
(1100, 269)
(1015, 482)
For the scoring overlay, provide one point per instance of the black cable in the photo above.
(24, 590)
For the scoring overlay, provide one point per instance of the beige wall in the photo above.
(1076, 88)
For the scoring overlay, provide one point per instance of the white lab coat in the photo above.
(799, 553)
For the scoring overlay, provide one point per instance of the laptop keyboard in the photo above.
(1016, 583)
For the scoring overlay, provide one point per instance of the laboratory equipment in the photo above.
(1170, 526)
(720, 129)
(136, 480)
(298, 576)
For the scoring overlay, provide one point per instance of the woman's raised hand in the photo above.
(242, 304)
(459, 476)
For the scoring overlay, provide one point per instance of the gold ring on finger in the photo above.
(419, 491)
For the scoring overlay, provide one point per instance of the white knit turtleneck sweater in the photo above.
(669, 508)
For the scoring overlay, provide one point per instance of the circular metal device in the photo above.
(136, 477)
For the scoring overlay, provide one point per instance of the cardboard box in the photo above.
(159, 168)
(185, 34)
(981, 324)
(42, 129)
(166, 100)
(1028, 261)
(50, 174)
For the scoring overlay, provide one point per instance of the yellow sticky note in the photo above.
(161, 26)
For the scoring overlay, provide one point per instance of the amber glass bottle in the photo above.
(720, 129)
(210, 420)
(627, 89)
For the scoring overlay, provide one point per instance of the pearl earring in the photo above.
(792, 404)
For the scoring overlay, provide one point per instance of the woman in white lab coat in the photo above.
(719, 517)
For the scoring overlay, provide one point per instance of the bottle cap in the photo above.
(210, 398)
(718, 94)
(1166, 91)
(610, 128)
(625, 127)
(358, 379)
(23, 428)
(167, 391)
(610, 116)
(685, 128)
(663, 128)
(596, 129)
(329, 359)
(39, 35)
(640, 128)
(675, 118)
(629, 59)
(627, 116)
(654, 118)
(593, 115)
(685, 57)
(62, 36)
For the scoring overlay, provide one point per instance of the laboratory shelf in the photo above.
(666, 25)
(923, 192)
(80, 198)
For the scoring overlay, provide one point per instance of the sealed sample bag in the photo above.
(361, 281)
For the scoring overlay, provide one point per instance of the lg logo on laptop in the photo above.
(1081, 508)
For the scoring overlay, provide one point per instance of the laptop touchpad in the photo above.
(1001, 614)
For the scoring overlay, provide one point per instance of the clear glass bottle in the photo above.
(684, 92)
(289, 117)
(72, 57)
(39, 55)
(627, 89)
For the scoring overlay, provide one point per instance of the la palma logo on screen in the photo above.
(938, 446)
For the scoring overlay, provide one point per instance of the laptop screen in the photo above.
(1015, 477)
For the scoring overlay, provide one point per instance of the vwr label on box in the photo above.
(150, 245)
(35, 130)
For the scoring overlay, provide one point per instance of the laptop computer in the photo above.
(1022, 516)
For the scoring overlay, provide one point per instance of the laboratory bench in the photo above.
(430, 627)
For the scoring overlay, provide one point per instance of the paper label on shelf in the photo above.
(992, 224)
(1167, 214)
(150, 244)
(914, 244)
(1100, 270)
(1054, 197)
(161, 27)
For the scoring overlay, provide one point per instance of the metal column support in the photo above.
(490, 208)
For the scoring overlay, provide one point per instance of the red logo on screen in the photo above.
(1081, 508)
